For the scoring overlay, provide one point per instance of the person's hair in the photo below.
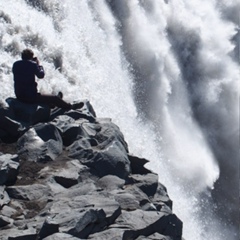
(27, 54)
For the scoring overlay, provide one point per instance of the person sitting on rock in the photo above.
(25, 86)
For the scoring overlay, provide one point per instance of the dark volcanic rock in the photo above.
(126, 200)
(40, 143)
(145, 223)
(10, 129)
(73, 178)
(148, 183)
(8, 169)
(4, 221)
(69, 175)
(4, 198)
(154, 236)
(110, 182)
(28, 192)
(49, 227)
(29, 113)
(69, 130)
(112, 233)
(137, 165)
(26, 234)
(61, 236)
(80, 223)
(161, 197)
(104, 151)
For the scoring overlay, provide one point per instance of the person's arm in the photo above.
(39, 69)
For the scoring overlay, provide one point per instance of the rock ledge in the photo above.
(69, 175)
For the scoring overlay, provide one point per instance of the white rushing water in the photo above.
(165, 71)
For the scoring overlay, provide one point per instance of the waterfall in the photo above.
(165, 71)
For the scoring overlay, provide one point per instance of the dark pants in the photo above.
(51, 100)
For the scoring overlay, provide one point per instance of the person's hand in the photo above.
(35, 59)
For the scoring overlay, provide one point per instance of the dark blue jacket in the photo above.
(24, 72)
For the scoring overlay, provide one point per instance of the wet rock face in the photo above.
(72, 177)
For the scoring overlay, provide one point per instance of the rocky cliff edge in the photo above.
(69, 175)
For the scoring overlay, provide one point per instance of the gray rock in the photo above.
(118, 234)
(126, 200)
(8, 211)
(8, 157)
(4, 198)
(161, 198)
(149, 207)
(148, 183)
(61, 236)
(155, 236)
(83, 112)
(137, 165)
(10, 129)
(146, 223)
(110, 159)
(8, 169)
(41, 143)
(17, 206)
(88, 108)
(95, 200)
(14, 234)
(62, 122)
(69, 175)
(49, 227)
(110, 182)
(80, 223)
(4, 221)
(109, 234)
(101, 134)
(29, 113)
(83, 188)
(103, 193)
(69, 128)
(66, 182)
(141, 197)
(91, 129)
(29, 192)
(78, 114)
(83, 214)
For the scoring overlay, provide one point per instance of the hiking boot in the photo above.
(77, 105)
(60, 95)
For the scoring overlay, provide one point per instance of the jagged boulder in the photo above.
(161, 198)
(29, 192)
(137, 165)
(104, 150)
(139, 222)
(4, 221)
(4, 198)
(112, 233)
(69, 128)
(40, 143)
(111, 182)
(61, 236)
(154, 236)
(9, 165)
(10, 129)
(85, 112)
(16, 234)
(49, 227)
(29, 113)
(69, 175)
(83, 214)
